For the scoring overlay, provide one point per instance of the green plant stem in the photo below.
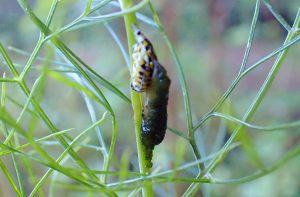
(259, 97)
(63, 155)
(263, 90)
(73, 59)
(100, 19)
(182, 80)
(20, 191)
(42, 114)
(9, 178)
(136, 99)
(276, 14)
(240, 77)
(241, 71)
(184, 90)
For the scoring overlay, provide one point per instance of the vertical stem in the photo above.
(261, 94)
(184, 90)
(136, 99)
(257, 100)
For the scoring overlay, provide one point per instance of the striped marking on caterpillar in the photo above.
(143, 57)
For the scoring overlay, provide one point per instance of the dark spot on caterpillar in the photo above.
(138, 33)
(141, 73)
(148, 47)
(144, 66)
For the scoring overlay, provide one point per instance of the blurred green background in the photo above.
(210, 38)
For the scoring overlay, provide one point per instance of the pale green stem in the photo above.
(136, 100)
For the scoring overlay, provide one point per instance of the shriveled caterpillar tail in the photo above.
(148, 150)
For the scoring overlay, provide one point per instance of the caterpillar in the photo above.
(143, 57)
(154, 115)
(150, 77)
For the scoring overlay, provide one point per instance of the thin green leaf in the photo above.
(9, 178)
(278, 17)
(182, 80)
(75, 85)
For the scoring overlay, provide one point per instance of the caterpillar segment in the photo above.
(150, 77)
(143, 56)
(154, 115)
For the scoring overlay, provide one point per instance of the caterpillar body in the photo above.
(150, 77)
(154, 115)
(143, 57)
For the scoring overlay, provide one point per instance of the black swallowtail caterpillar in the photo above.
(154, 116)
(143, 56)
(149, 76)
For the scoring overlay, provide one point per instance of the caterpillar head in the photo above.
(138, 35)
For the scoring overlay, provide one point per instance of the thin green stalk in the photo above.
(179, 133)
(250, 38)
(62, 156)
(18, 174)
(20, 191)
(262, 92)
(66, 172)
(170, 172)
(98, 19)
(32, 58)
(242, 68)
(243, 74)
(252, 126)
(9, 62)
(88, 7)
(47, 159)
(73, 58)
(258, 99)
(9, 178)
(23, 146)
(269, 56)
(8, 80)
(24, 5)
(3, 93)
(136, 100)
(102, 81)
(278, 17)
(33, 90)
(292, 154)
(196, 151)
(182, 80)
(37, 107)
(184, 89)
